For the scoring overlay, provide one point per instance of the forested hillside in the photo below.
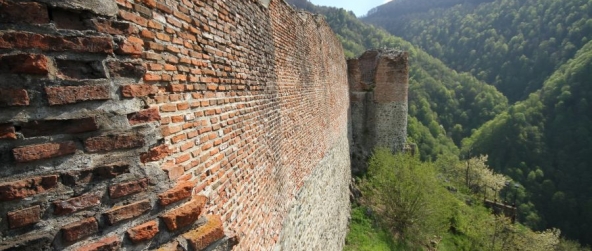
(545, 143)
(443, 104)
(513, 44)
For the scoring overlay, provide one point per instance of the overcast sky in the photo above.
(360, 7)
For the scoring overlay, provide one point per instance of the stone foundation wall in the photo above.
(172, 124)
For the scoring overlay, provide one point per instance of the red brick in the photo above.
(33, 13)
(106, 244)
(168, 108)
(43, 151)
(126, 69)
(62, 95)
(25, 40)
(27, 187)
(114, 27)
(174, 172)
(113, 142)
(156, 153)
(131, 91)
(80, 229)
(52, 127)
(127, 212)
(24, 217)
(133, 18)
(124, 189)
(7, 131)
(144, 116)
(143, 232)
(13, 97)
(170, 130)
(76, 204)
(152, 77)
(130, 48)
(177, 193)
(206, 234)
(184, 215)
(24, 64)
(150, 3)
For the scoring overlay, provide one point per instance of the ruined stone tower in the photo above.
(379, 83)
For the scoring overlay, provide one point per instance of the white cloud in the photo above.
(386, 1)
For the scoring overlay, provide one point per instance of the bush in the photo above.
(407, 196)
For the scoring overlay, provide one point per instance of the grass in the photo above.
(365, 235)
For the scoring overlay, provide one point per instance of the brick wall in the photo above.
(143, 124)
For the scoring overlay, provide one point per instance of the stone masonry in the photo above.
(171, 125)
(379, 84)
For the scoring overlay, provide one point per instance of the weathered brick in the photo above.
(32, 13)
(63, 95)
(179, 192)
(114, 27)
(93, 175)
(152, 77)
(131, 91)
(13, 97)
(27, 187)
(113, 142)
(127, 212)
(174, 172)
(52, 127)
(111, 243)
(131, 47)
(144, 116)
(206, 234)
(143, 232)
(184, 215)
(80, 229)
(156, 153)
(43, 151)
(76, 204)
(124, 189)
(24, 217)
(25, 40)
(7, 131)
(24, 64)
(126, 69)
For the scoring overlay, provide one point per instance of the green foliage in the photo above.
(544, 143)
(512, 44)
(407, 196)
(409, 199)
(365, 235)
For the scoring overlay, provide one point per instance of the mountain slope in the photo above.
(513, 44)
(545, 143)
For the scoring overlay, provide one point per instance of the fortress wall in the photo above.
(379, 86)
(144, 124)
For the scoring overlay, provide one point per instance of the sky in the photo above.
(359, 7)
